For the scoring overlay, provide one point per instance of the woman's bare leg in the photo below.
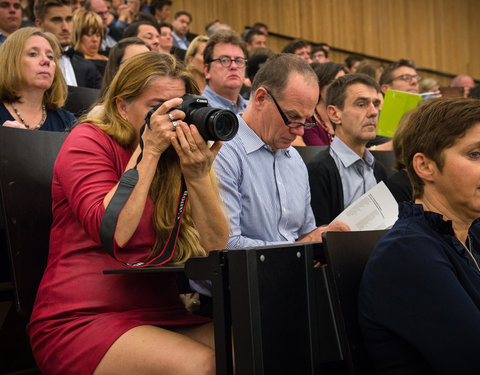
(154, 350)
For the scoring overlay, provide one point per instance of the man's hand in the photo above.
(336, 226)
(124, 13)
(316, 235)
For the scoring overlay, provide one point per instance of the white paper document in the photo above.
(376, 209)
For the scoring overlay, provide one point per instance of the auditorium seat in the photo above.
(309, 152)
(387, 158)
(80, 99)
(26, 172)
(346, 255)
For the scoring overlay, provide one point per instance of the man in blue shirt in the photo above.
(347, 170)
(181, 23)
(263, 181)
(225, 60)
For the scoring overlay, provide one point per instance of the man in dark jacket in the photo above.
(346, 170)
(55, 16)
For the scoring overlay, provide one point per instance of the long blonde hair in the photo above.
(129, 83)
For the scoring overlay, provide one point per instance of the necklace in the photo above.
(44, 116)
(467, 242)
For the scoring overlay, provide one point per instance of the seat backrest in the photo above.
(346, 254)
(26, 171)
(80, 99)
(387, 158)
(309, 152)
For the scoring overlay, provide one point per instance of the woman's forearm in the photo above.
(131, 214)
(207, 214)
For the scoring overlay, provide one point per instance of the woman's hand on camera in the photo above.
(158, 138)
(196, 157)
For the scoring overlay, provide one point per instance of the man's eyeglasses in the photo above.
(407, 77)
(291, 124)
(227, 61)
(102, 14)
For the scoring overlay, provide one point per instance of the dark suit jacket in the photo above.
(178, 53)
(115, 32)
(326, 186)
(85, 71)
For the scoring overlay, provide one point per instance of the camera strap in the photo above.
(125, 187)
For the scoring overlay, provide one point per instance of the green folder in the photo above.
(395, 105)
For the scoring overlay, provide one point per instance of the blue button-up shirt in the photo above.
(181, 43)
(217, 101)
(266, 193)
(108, 41)
(356, 172)
(3, 38)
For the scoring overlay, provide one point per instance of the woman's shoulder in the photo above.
(91, 133)
(415, 234)
(87, 140)
(88, 131)
(59, 120)
(66, 116)
(4, 114)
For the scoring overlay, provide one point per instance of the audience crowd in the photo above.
(255, 190)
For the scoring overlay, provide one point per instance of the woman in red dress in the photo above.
(85, 322)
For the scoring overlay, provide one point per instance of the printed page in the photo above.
(376, 209)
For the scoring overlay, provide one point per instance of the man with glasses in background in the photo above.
(346, 170)
(319, 55)
(401, 76)
(225, 62)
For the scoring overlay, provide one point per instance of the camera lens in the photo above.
(214, 124)
(223, 124)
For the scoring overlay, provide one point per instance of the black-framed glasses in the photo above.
(227, 61)
(291, 124)
(407, 77)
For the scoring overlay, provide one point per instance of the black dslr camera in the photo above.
(212, 123)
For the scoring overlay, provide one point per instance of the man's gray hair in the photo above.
(275, 73)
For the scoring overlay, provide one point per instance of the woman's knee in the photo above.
(203, 362)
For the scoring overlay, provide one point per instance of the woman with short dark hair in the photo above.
(419, 299)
